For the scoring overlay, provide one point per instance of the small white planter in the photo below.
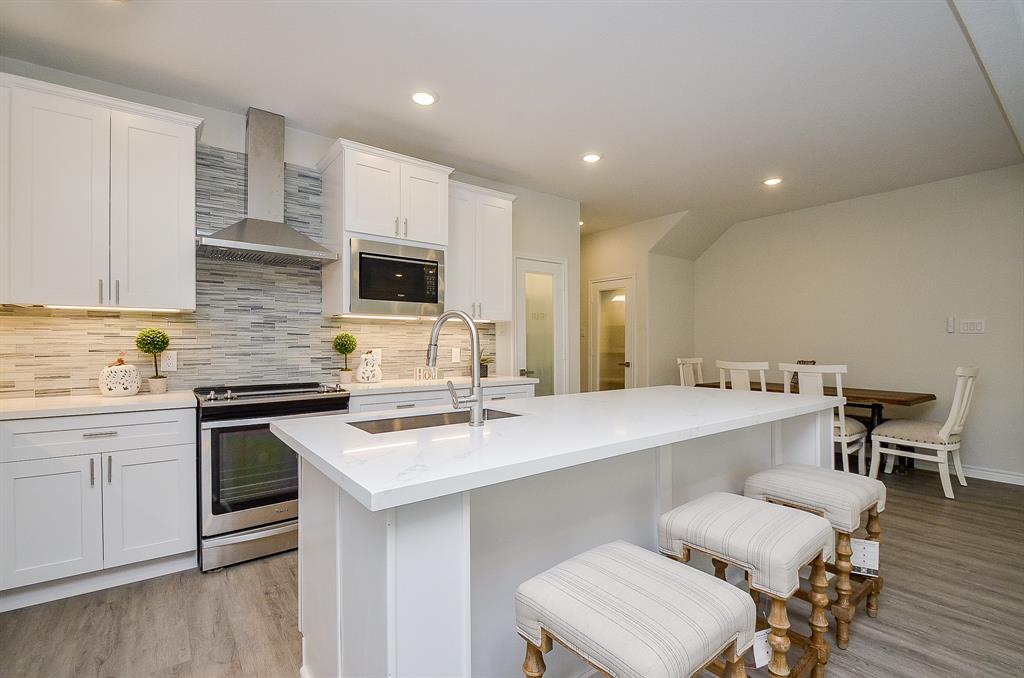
(345, 376)
(120, 380)
(158, 385)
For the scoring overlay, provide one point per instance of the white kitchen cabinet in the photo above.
(479, 269)
(412, 400)
(149, 506)
(424, 204)
(102, 201)
(51, 519)
(152, 212)
(60, 199)
(372, 193)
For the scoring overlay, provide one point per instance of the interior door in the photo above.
(461, 261)
(541, 322)
(494, 254)
(612, 365)
(372, 200)
(50, 519)
(149, 506)
(152, 213)
(60, 201)
(424, 205)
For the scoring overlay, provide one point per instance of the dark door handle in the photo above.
(525, 373)
(625, 364)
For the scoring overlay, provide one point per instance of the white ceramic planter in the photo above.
(120, 380)
(158, 385)
(345, 376)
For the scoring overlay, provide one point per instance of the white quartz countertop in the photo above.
(392, 469)
(413, 386)
(64, 406)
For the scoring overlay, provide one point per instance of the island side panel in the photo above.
(522, 527)
(719, 463)
(806, 439)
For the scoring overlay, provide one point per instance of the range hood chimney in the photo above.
(262, 236)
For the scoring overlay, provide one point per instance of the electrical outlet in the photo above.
(950, 325)
(169, 361)
(972, 327)
(456, 354)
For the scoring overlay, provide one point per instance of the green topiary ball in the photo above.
(152, 340)
(344, 343)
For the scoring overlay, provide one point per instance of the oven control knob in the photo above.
(212, 395)
(229, 395)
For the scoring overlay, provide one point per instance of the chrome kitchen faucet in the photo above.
(475, 400)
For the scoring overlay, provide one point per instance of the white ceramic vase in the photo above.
(345, 377)
(158, 385)
(120, 380)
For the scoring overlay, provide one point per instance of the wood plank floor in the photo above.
(953, 606)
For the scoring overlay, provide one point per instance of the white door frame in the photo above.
(595, 286)
(561, 318)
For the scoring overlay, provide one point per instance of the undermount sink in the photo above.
(393, 424)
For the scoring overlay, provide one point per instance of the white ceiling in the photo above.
(691, 103)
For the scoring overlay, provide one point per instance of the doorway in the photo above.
(612, 333)
(541, 322)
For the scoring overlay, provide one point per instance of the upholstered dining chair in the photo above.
(941, 438)
(850, 434)
(739, 374)
(691, 371)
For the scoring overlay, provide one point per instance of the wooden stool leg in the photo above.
(874, 534)
(841, 609)
(819, 621)
(778, 620)
(533, 665)
(720, 566)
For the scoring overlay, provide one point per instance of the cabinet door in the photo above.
(424, 205)
(460, 262)
(50, 519)
(60, 201)
(152, 213)
(149, 503)
(371, 200)
(494, 258)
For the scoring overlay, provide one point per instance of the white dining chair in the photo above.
(941, 438)
(739, 374)
(691, 371)
(850, 434)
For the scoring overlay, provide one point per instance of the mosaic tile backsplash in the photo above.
(253, 323)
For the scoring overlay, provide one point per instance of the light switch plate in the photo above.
(456, 354)
(169, 361)
(972, 327)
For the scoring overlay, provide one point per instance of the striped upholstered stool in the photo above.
(842, 498)
(770, 543)
(632, 614)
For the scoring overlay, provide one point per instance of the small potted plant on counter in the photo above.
(154, 341)
(344, 344)
(485, 360)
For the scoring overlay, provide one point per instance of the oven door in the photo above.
(394, 279)
(248, 476)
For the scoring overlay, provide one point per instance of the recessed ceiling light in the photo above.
(424, 98)
(591, 157)
(774, 181)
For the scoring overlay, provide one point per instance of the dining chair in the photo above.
(739, 374)
(850, 434)
(941, 438)
(691, 371)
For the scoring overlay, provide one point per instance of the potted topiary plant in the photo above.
(154, 341)
(344, 344)
(485, 360)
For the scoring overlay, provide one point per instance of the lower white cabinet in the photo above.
(149, 504)
(413, 400)
(51, 522)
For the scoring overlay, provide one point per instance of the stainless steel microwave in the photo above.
(389, 279)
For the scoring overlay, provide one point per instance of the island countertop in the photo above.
(392, 469)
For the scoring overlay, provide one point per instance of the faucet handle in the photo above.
(455, 396)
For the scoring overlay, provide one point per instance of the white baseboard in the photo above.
(44, 592)
(979, 472)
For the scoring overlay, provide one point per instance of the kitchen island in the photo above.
(412, 542)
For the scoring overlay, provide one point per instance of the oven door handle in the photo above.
(251, 535)
(206, 425)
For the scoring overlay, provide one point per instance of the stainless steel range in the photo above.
(248, 478)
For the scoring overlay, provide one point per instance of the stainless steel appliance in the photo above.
(248, 478)
(395, 279)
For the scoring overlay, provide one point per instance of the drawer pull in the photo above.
(100, 434)
(405, 406)
(498, 397)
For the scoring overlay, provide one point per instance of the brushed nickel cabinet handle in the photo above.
(396, 226)
(498, 397)
(405, 406)
(117, 291)
(407, 227)
(100, 434)
(101, 290)
(92, 471)
(110, 469)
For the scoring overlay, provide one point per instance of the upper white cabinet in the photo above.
(101, 200)
(372, 191)
(479, 267)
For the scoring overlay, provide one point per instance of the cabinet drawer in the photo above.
(24, 439)
(394, 401)
(508, 392)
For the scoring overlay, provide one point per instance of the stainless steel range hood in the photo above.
(263, 237)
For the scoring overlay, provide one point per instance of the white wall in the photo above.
(870, 282)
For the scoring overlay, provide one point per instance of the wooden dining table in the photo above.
(871, 399)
